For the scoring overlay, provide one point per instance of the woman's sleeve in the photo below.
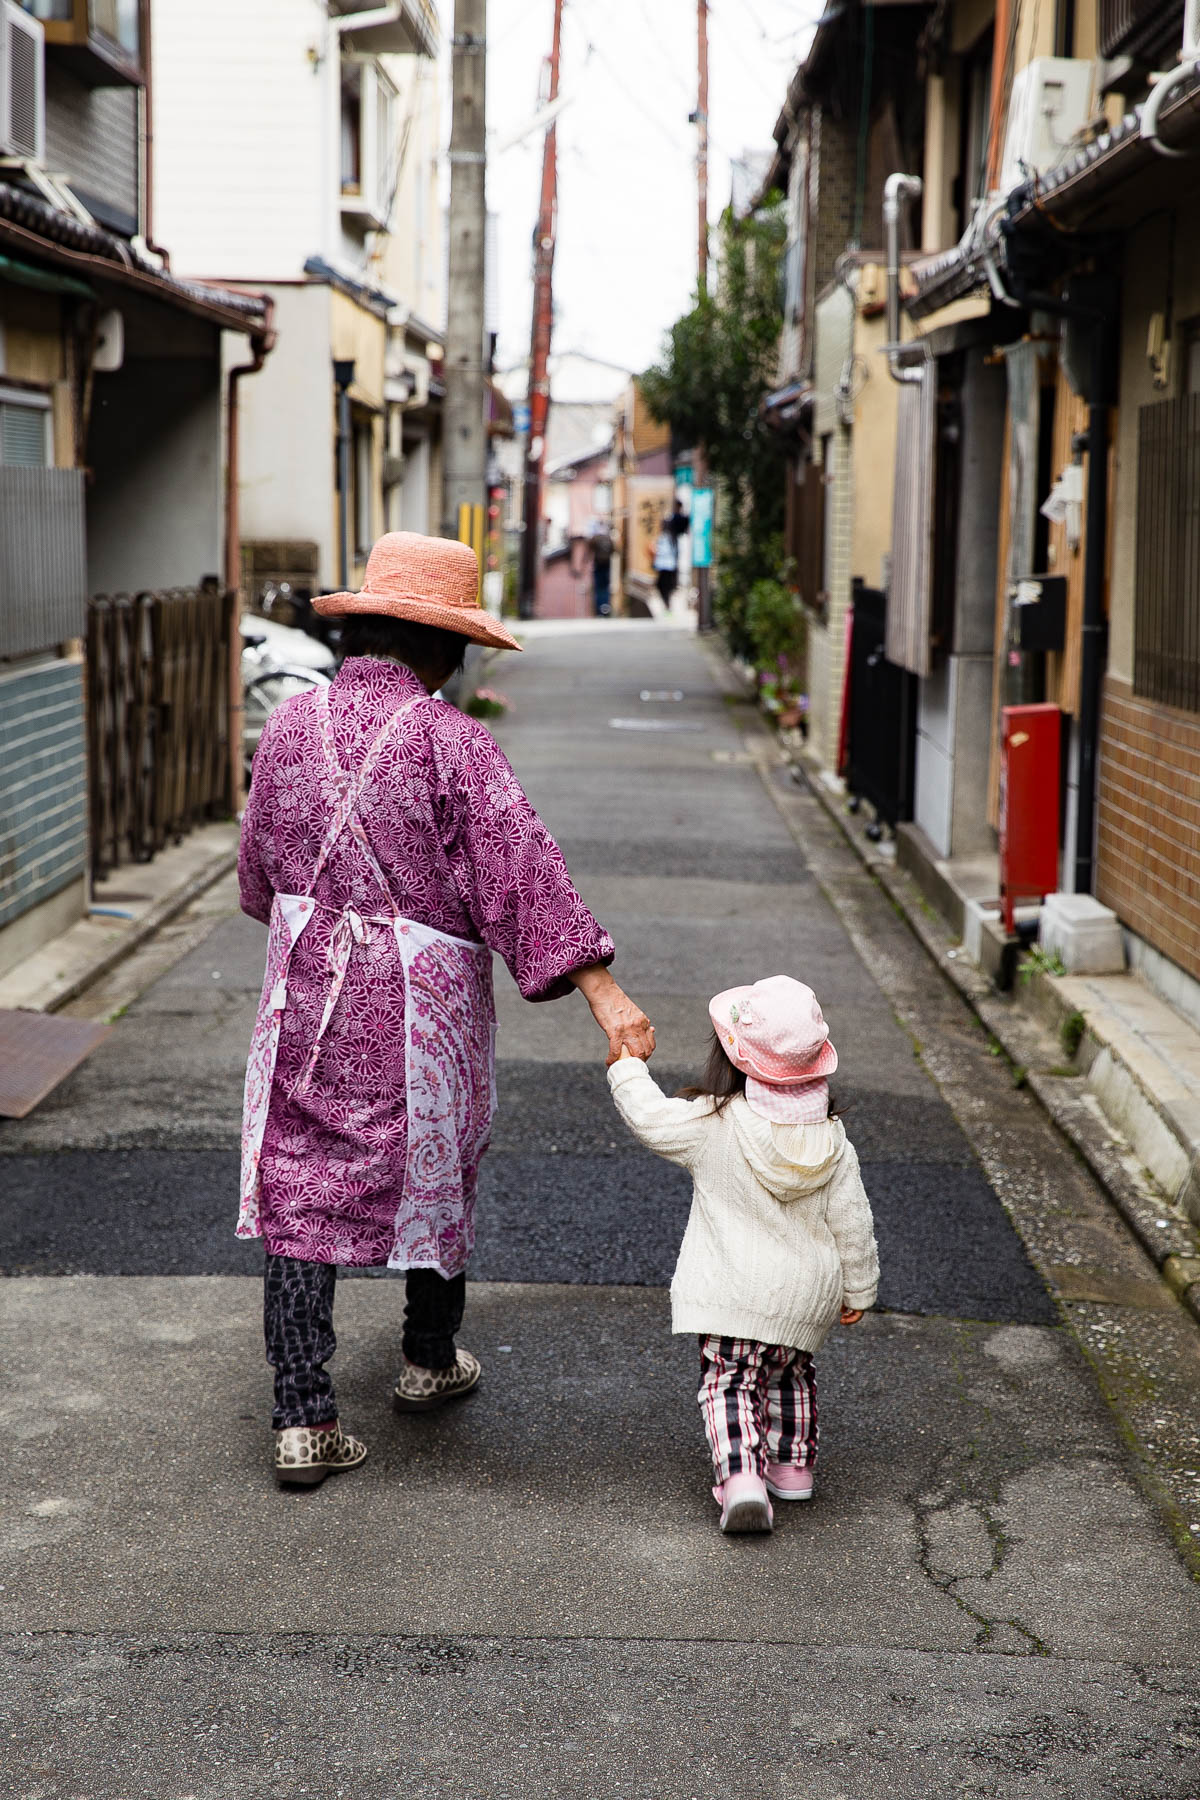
(509, 871)
(675, 1129)
(254, 884)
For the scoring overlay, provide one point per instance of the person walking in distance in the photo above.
(666, 552)
(390, 850)
(780, 1243)
(601, 545)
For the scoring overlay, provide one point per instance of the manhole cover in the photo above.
(656, 725)
(36, 1051)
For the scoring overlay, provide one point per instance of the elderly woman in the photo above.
(390, 849)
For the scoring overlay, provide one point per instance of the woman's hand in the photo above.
(621, 1020)
(851, 1315)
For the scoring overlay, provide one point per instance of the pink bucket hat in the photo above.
(430, 580)
(774, 1031)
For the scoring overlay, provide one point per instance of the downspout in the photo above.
(343, 376)
(897, 189)
(262, 342)
(147, 111)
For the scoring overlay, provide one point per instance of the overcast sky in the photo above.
(626, 259)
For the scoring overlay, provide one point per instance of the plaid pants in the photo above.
(759, 1403)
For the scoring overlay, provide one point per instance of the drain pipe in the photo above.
(262, 343)
(1189, 62)
(898, 189)
(343, 376)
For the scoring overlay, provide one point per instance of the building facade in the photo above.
(112, 443)
(318, 188)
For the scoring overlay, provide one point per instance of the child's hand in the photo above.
(851, 1315)
(625, 1052)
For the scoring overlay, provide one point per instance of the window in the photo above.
(1166, 605)
(99, 40)
(976, 115)
(25, 430)
(367, 151)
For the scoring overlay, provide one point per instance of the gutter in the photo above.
(261, 345)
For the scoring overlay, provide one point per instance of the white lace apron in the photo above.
(449, 1041)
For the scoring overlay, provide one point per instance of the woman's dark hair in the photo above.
(721, 1082)
(425, 649)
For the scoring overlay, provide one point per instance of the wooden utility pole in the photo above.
(464, 410)
(700, 472)
(702, 148)
(539, 347)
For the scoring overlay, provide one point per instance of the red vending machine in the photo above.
(1030, 785)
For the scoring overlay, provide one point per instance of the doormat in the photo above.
(36, 1051)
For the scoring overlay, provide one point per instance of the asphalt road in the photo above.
(528, 1596)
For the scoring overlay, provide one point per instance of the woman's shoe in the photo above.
(420, 1390)
(787, 1482)
(304, 1456)
(744, 1504)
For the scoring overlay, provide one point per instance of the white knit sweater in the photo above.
(780, 1235)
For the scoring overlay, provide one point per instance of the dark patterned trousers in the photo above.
(759, 1403)
(298, 1326)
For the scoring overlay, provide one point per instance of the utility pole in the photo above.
(702, 147)
(700, 473)
(464, 410)
(539, 348)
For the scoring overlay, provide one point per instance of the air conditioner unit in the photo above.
(1051, 103)
(22, 84)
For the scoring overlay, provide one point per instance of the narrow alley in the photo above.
(527, 1594)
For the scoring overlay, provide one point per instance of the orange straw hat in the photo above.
(430, 580)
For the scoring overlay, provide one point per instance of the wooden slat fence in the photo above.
(158, 719)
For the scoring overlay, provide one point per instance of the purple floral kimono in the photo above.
(390, 848)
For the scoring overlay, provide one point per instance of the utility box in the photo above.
(1040, 612)
(1030, 788)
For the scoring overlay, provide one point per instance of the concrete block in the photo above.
(977, 915)
(1083, 934)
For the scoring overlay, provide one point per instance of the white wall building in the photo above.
(297, 155)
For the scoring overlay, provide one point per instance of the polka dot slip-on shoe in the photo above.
(420, 1390)
(303, 1458)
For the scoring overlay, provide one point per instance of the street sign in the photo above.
(521, 420)
(702, 528)
(683, 474)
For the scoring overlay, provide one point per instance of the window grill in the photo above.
(1166, 642)
(1147, 30)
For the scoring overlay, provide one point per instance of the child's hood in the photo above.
(789, 1160)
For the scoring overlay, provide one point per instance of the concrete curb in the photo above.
(60, 994)
(1167, 1238)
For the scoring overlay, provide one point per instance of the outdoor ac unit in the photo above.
(22, 84)
(1051, 103)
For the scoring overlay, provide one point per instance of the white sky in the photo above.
(625, 266)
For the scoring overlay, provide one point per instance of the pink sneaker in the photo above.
(744, 1504)
(787, 1482)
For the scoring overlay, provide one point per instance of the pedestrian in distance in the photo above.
(666, 551)
(780, 1244)
(390, 849)
(600, 542)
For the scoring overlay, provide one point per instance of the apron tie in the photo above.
(350, 928)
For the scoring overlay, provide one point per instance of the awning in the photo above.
(784, 409)
(47, 281)
(31, 226)
(402, 28)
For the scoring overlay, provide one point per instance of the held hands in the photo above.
(850, 1315)
(620, 1019)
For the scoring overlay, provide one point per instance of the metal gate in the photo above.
(158, 689)
(883, 715)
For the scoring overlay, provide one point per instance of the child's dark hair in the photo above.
(722, 1081)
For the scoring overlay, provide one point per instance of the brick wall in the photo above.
(832, 172)
(43, 784)
(1148, 847)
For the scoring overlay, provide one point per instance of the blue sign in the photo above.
(521, 420)
(702, 528)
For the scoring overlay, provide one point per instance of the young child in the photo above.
(780, 1241)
